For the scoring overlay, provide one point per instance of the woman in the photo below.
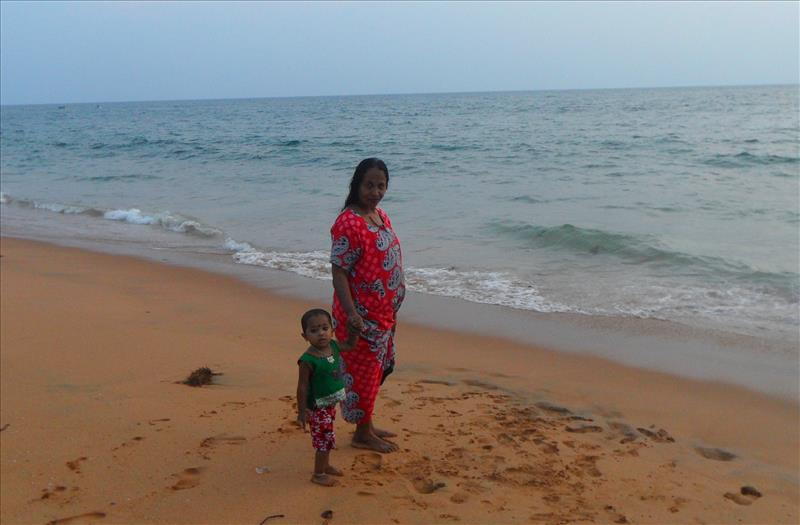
(367, 269)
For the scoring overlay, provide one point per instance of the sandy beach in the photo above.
(96, 427)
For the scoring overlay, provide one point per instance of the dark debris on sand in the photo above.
(201, 376)
(749, 490)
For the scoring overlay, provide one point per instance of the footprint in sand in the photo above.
(677, 503)
(57, 493)
(430, 400)
(473, 487)
(583, 429)
(521, 475)
(459, 497)
(436, 382)
(370, 462)
(212, 441)
(585, 465)
(547, 448)
(614, 515)
(75, 464)
(624, 430)
(418, 472)
(660, 436)
(550, 407)
(505, 439)
(715, 453)
(132, 441)
(460, 455)
(47, 493)
(480, 384)
(187, 479)
(88, 517)
(424, 485)
(549, 517)
(413, 389)
(739, 499)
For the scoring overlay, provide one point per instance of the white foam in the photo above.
(235, 246)
(308, 264)
(133, 215)
(166, 220)
(736, 305)
(182, 225)
(4, 198)
(59, 208)
(480, 287)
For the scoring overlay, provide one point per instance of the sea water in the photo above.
(678, 204)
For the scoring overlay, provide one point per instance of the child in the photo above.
(320, 387)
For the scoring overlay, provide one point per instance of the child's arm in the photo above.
(350, 342)
(303, 380)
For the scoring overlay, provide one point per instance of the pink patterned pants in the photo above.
(321, 423)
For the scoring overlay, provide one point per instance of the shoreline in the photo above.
(92, 345)
(762, 364)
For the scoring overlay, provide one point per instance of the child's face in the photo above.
(319, 332)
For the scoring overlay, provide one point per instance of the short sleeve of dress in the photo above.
(345, 241)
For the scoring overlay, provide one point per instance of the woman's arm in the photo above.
(341, 285)
(303, 380)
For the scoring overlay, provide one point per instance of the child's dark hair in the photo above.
(358, 176)
(314, 312)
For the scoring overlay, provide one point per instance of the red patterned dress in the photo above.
(371, 256)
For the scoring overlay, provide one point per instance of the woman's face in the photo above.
(372, 188)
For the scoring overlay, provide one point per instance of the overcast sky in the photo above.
(55, 52)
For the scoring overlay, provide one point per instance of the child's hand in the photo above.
(355, 322)
(302, 418)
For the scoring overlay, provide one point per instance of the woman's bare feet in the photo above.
(333, 471)
(373, 442)
(381, 433)
(323, 479)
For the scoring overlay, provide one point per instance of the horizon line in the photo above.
(208, 99)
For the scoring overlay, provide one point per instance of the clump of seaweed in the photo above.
(201, 376)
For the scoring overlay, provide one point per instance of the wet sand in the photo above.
(96, 427)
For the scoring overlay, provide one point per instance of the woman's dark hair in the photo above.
(358, 176)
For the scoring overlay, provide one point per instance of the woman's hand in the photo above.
(355, 322)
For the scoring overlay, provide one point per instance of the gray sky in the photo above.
(117, 51)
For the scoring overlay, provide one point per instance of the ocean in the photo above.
(676, 204)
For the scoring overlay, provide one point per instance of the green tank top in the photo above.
(326, 387)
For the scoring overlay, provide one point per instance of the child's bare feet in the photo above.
(323, 479)
(333, 471)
